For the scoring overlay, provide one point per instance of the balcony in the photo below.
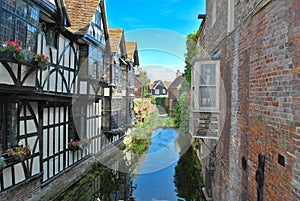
(16, 73)
(204, 124)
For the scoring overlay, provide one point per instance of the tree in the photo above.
(145, 81)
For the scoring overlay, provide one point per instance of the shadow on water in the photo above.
(159, 175)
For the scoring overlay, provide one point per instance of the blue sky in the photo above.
(160, 28)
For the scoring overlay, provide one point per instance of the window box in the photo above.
(17, 154)
(18, 58)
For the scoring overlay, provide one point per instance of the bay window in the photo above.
(204, 114)
(206, 85)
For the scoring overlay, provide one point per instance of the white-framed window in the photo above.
(164, 91)
(206, 79)
(156, 91)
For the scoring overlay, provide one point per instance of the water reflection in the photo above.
(159, 175)
(155, 177)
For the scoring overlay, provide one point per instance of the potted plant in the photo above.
(75, 145)
(41, 61)
(86, 141)
(12, 51)
(18, 153)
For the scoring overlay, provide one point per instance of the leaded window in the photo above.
(8, 125)
(208, 85)
(19, 22)
(206, 82)
(98, 18)
(95, 62)
(51, 38)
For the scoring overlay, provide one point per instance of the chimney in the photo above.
(178, 73)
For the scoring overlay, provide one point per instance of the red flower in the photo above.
(19, 49)
(74, 144)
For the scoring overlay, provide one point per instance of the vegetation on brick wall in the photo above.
(192, 51)
(161, 104)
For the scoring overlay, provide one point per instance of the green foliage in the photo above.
(188, 177)
(140, 146)
(161, 105)
(177, 118)
(145, 82)
(182, 110)
(151, 97)
(192, 51)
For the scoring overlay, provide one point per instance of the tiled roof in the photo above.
(131, 48)
(80, 14)
(167, 84)
(178, 81)
(115, 38)
(151, 86)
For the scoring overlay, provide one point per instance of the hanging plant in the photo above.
(12, 50)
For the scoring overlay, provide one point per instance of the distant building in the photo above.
(173, 93)
(159, 88)
(138, 87)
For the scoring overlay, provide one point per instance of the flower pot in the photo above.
(41, 65)
(7, 56)
(72, 148)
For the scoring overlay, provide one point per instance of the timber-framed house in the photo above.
(133, 62)
(51, 110)
(118, 96)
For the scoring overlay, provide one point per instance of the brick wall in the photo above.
(263, 101)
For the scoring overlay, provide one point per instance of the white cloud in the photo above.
(164, 73)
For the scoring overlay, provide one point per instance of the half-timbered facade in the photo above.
(132, 63)
(53, 110)
(118, 98)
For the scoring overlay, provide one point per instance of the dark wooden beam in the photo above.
(201, 16)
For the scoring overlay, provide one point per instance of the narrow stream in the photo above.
(160, 174)
(155, 180)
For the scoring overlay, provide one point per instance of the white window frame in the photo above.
(156, 91)
(197, 85)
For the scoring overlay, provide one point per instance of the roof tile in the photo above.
(80, 14)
